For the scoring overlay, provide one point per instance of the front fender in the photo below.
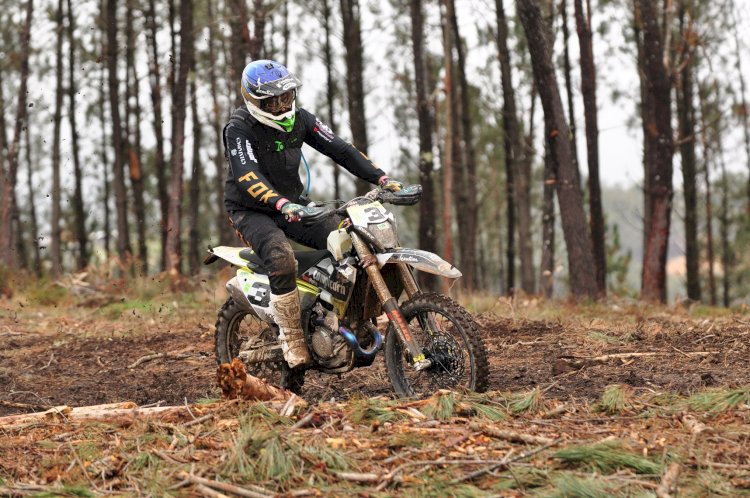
(420, 260)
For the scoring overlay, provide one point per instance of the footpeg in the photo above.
(422, 364)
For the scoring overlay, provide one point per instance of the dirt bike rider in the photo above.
(262, 143)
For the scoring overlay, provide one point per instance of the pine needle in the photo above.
(608, 457)
(440, 405)
(570, 486)
(365, 410)
(719, 400)
(614, 399)
(484, 408)
(530, 401)
(274, 463)
(488, 412)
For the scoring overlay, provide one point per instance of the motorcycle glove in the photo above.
(296, 212)
(389, 184)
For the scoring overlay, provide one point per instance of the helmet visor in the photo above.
(278, 104)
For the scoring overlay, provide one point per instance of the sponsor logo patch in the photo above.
(239, 151)
(250, 154)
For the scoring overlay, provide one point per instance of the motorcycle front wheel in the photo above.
(237, 328)
(449, 338)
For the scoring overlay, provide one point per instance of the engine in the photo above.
(328, 345)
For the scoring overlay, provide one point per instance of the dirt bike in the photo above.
(430, 342)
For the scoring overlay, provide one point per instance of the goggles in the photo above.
(278, 104)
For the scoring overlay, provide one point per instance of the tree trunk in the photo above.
(195, 188)
(575, 229)
(547, 264)
(32, 206)
(588, 89)
(133, 137)
(55, 231)
(686, 117)
(743, 101)
(121, 201)
(448, 152)
(511, 143)
(427, 240)
(156, 98)
(239, 45)
(9, 184)
(78, 212)
(646, 109)
(706, 146)
(222, 226)
(104, 160)
(257, 42)
(659, 136)
(569, 87)
(174, 253)
(468, 233)
(354, 85)
(726, 251)
(331, 87)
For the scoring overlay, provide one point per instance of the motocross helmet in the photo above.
(270, 91)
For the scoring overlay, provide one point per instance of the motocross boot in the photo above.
(286, 312)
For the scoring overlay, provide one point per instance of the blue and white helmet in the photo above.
(270, 91)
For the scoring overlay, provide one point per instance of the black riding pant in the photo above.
(267, 234)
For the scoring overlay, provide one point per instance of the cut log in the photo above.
(123, 414)
(235, 383)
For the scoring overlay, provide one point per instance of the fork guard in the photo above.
(420, 260)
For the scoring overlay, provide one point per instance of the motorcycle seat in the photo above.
(305, 259)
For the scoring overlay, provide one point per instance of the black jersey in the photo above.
(264, 162)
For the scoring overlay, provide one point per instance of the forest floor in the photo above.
(611, 399)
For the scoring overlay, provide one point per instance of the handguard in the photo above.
(407, 196)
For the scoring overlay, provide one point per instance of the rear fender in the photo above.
(231, 254)
(420, 260)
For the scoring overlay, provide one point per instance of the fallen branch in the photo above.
(504, 462)
(359, 477)
(236, 383)
(223, 486)
(123, 414)
(512, 436)
(206, 491)
(149, 357)
(579, 362)
(24, 406)
(668, 486)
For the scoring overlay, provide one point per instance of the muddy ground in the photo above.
(81, 355)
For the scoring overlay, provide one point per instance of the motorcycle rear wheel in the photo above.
(449, 338)
(236, 326)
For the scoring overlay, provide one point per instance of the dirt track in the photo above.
(49, 358)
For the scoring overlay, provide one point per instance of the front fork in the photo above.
(389, 303)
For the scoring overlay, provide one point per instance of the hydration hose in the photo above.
(307, 167)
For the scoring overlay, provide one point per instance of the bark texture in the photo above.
(659, 137)
(511, 140)
(121, 202)
(575, 229)
(79, 215)
(686, 119)
(588, 90)
(55, 230)
(427, 239)
(174, 251)
(355, 90)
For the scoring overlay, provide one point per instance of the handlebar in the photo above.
(407, 196)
